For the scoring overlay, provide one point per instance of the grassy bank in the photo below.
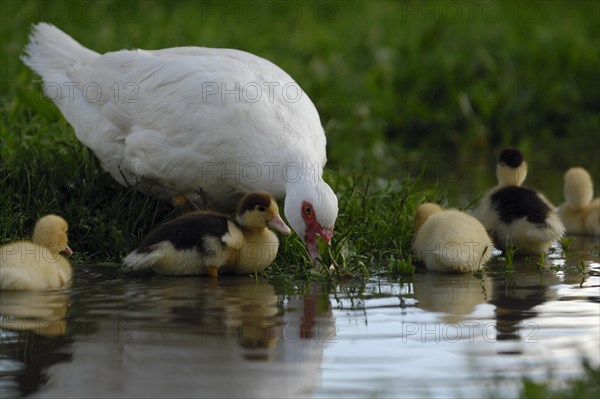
(586, 386)
(399, 86)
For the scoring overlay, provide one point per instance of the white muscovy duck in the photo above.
(207, 124)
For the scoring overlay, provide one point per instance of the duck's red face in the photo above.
(314, 228)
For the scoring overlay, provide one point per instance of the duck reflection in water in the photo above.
(194, 337)
(515, 297)
(33, 330)
(517, 294)
(583, 247)
(42, 312)
(455, 296)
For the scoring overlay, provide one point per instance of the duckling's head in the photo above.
(423, 212)
(50, 231)
(579, 188)
(512, 168)
(259, 210)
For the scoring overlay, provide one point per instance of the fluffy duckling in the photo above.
(210, 243)
(38, 264)
(516, 215)
(579, 213)
(450, 240)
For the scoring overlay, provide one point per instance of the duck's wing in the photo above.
(210, 111)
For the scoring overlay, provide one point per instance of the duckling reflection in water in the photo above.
(455, 296)
(209, 243)
(41, 312)
(227, 338)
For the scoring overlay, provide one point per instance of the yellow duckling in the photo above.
(580, 213)
(38, 264)
(515, 215)
(210, 243)
(450, 240)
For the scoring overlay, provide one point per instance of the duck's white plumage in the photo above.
(209, 124)
(177, 120)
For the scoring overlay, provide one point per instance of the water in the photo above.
(434, 335)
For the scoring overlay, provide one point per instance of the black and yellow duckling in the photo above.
(580, 213)
(515, 215)
(210, 243)
(38, 264)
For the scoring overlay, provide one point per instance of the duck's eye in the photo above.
(307, 210)
(261, 208)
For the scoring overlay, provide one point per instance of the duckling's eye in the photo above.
(261, 208)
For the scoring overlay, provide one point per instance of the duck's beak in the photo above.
(326, 234)
(67, 251)
(313, 251)
(278, 224)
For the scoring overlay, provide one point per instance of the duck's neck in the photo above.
(52, 248)
(256, 234)
(508, 176)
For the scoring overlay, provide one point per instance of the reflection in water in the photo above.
(515, 296)
(454, 295)
(585, 247)
(432, 335)
(33, 333)
(42, 312)
(188, 337)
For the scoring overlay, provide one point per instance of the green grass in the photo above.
(583, 387)
(398, 90)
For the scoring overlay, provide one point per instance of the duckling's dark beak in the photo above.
(67, 251)
(277, 223)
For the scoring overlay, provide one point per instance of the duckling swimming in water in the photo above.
(450, 240)
(38, 264)
(579, 213)
(515, 215)
(210, 243)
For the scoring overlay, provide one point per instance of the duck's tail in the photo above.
(51, 52)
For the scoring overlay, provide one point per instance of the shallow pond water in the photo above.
(432, 335)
